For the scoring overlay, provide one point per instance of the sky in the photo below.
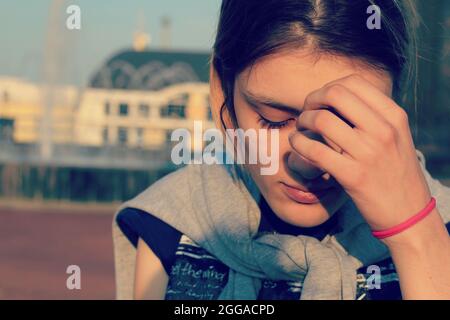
(106, 28)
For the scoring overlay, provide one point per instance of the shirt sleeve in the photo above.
(162, 238)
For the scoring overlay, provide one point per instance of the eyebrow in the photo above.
(256, 101)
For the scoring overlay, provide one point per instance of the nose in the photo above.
(300, 164)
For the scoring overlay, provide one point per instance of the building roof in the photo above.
(151, 70)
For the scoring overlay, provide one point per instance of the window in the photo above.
(176, 108)
(107, 108)
(122, 135)
(123, 109)
(6, 130)
(105, 135)
(144, 110)
(173, 111)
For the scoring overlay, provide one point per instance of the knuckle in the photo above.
(401, 116)
(335, 91)
(355, 78)
(387, 135)
(308, 99)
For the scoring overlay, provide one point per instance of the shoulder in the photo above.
(161, 238)
(176, 186)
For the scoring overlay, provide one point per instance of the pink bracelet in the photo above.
(408, 223)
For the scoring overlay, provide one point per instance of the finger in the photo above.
(366, 91)
(321, 155)
(348, 105)
(333, 129)
(303, 166)
(374, 97)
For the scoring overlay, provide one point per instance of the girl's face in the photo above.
(286, 79)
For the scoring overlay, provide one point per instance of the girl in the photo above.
(350, 214)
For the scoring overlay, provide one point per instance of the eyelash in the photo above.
(265, 123)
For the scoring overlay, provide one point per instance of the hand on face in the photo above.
(371, 155)
(301, 165)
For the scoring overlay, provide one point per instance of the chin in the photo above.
(302, 215)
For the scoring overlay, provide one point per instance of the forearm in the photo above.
(421, 256)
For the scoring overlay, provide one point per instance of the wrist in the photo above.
(430, 231)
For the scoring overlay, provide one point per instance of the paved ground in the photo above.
(37, 245)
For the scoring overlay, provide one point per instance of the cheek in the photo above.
(268, 182)
(285, 146)
(247, 119)
(284, 151)
(264, 183)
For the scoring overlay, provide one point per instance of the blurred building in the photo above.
(136, 99)
(139, 96)
(21, 111)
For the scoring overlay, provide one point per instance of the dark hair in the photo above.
(251, 29)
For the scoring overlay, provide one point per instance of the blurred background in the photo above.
(86, 116)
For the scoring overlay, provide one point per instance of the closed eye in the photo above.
(266, 123)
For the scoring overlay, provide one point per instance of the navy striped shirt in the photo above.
(195, 274)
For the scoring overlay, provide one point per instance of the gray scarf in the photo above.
(222, 216)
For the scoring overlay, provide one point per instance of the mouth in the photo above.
(302, 196)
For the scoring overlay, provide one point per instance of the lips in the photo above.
(303, 196)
